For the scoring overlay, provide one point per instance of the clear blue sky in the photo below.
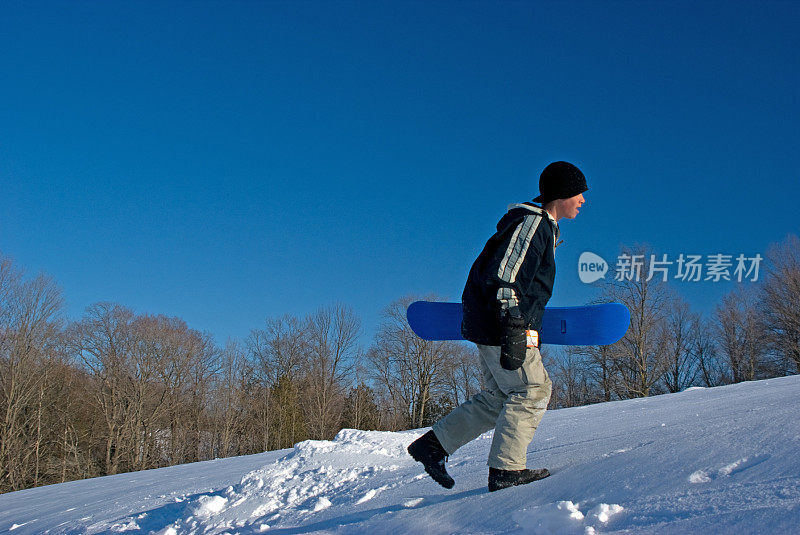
(226, 162)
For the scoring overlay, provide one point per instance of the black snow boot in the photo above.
(429, 451)
(502, 479)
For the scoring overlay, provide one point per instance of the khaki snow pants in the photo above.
(511, 402)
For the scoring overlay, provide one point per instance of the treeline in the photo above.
(754, 333)
(116, 391)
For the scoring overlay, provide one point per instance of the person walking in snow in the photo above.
(503, 302)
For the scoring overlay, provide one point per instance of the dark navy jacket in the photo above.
(516, 268)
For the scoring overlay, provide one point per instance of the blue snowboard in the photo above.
(592, 325)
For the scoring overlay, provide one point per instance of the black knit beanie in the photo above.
(560, 180)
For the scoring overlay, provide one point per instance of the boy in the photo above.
(503, 301)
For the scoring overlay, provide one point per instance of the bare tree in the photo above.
(151, 371)
(600, 362)
(640, 362)
(151, 380)
(679, 337)
(29, 328)
(277, 350)
(462, 374)
(173, 365)
(331, 350)
(229, 402)
(739, 338)
(569, 370)
(410, 370)
(711, 369)
(103, 343)
(275, 355)
(71, 425)
(780, 299)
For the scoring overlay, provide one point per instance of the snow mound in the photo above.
(314, 476)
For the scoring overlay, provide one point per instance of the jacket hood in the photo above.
(519, 210)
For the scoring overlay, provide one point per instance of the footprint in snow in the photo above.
(413, 502)
(740, 465)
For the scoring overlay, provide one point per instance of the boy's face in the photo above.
(569, 208)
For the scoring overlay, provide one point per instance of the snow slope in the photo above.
(722, 460)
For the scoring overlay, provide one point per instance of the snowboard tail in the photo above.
(588, 325)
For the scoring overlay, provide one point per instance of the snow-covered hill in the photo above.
(722, 460)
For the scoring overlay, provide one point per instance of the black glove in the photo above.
(515, 340)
